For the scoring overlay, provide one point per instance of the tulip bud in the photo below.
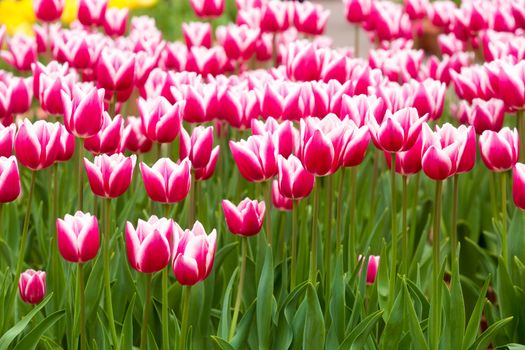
(295, 181)
(21, 52)
(245, 219)
(284, 135)
(32, 286)
(161, 121)
(197, 34)
(66, 146)
(355, 143)
(193, 260)
(110, 176)
(9, 179)
(20, 95)
(78, 237)
(133, 137)
(36, 145)
(278, 200)
(256, 158)
(149, 246)
(7, 138)
(48, 10)
(92, 12)
(115, 21)
(83, 115)
(429, 98)
(499, 150)
(206, 172)
(487, 115)
(207, 8)
(371, 269)
(198, 148)
(165, 181)
(518, 185)
(107, 140)
(357, 10)
(116, 70)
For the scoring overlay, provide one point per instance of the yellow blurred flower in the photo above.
(18, 15)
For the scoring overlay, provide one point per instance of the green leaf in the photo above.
(30, 341)
(511, 346)
(19, 327)
(457, 308)
(357, 338)
(416, 333)
(485, 338)
(473, 324)
(224, 322)
(126, 336)
(394, 324)
(243, 329)
(314, 328)
(221, 343)
(264, 301)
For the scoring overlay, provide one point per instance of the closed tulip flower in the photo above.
(110, 176)
(161, 121)
(398, 131)
(165, 181)
(207, 8)
(499, 150)
(355, 141)
(107, 140)
(284, 135)
(518, 185)
(195, 254)
(78, 237)
(197, 34)
(429, 98)
(32, 286)
(36, 145)
(7, 138)
(48, 10)
(149, 246)
(245, 219)
(357, 10)
(83, 109)
(21, 53)
(116, 70)
(295, 181)
(274, 17)
(486, 115)
(198, 147)
(115, 21)
(133, 137)
(371, 268)
(408, 162)
(9, 179)
(20, 94)
(206, 172)
(239, 42)
(303, 62)
(310, 18)
(440, 154)
(92, 12)
(66, 146)
(278, 200)
(255, 157)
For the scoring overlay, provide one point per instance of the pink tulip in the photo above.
(371, 269)
(303, 62)
(133, 137)
(116, 70)
(508, 81)
(48, 81)
(358, 108)
(239, 42)
(20, 94)
(398, 131)
(409, 162)
(295, 181)
(9, 179)
(206, 172)
(255, 157)
(207, 61)
(83, 109)
(518, 185)
(357, 11)
(310, 18)
(115, 21)
(107, 140)
(499, 150)
(66, 146)
(471, 82)
(7, 139)
(195, 254)
(80, 51)
(110, 176)
(245, 219)
(207, 8)
(416, 9)
(92, 12)
(161, 121)
(198, 147)
(264, 47)
(32, 286)
(165, 181)
(278, 200)
(321, 144)
(197, 34)
(21, 52)
(441, 13)
(429, 98)
(4, 102)
(284, 135)
(355, 141)
(486, 115)
(37, 145)
(274, 17)
(78, 237)
(48, 10)
(149, 247)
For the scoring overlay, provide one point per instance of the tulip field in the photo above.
(248, 185)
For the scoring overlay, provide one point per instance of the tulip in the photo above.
(80, 51)
(310, 18)
(167, 182)
(518, 185)
(9, 179)
(92, 12)
(278, 200)
(508, 82)
(408, 162)
(110, 176)
(284, 135)
(194, 255)
(295, 181)
(48, 81)
(371, 268)
(245, 219)
(486, 115)
(255, 157)
(32, 286)
(398, 131)
(107, 140)
(116, 70)
(499, 150)
(48, 10)
(274, 17)
(303, 62)
(66, 146)
(20, 94)
(133, 137)
(264, 47)
(441, 13)
(321, 144)
(4, 102)
(37, 145)
(355, 141)
(197, 34)
(7, 138)
(198, 148)
(429, 98)
(21, 52)
(115, 21)
(161, 121)
(357, 11)
(416, 9)
(78, 237)
(207, 61)
(149, 246)
(83, 109)
(207, 8)
(239, 42)
(206, 172)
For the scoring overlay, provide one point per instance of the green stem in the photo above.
(193, 204)
(268, 214)
(82, 302)
(185, 314)
(392, 281)
(293, 265)
(404, 229)
(352, 259)
(23, 241)
(107, 271)
(165, 325)
(504, 243)
(145, 316)
(313, 246)
(454, 224)
(238, 299)
(413, 213)
(328, 232)
(339, 215)
(80, 175)
(520, 119)
(435, 321)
